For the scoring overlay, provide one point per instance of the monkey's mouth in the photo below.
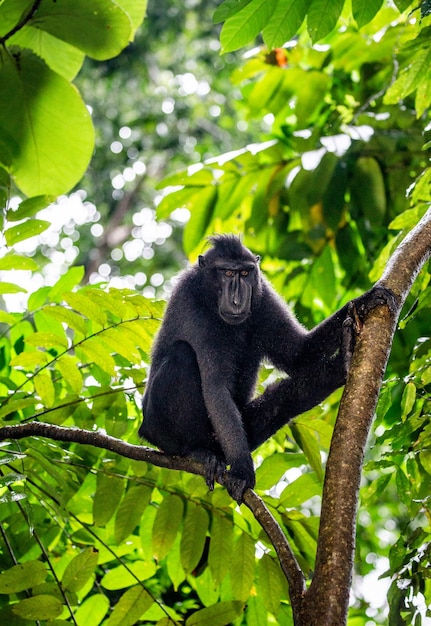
(233, 318)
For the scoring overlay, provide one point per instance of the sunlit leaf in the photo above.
(100, 29)
(166, 524)
(364, 12)
(28, 208)
(132, 604)
(193, 537)
(245, 25)
(79, 570)
(300, 490)
(130, 511)
(93, 609)
(284, 22)
(242, 566)
(33, 101)
(44, 387)
(22, 576)
(221, 546)
(108, 494)
(216, 615)
(25, 230)
(322, 17)
(41, 607)
(61, 57)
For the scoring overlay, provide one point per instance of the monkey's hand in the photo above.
(357, 312)
(376, 296)
(240, 477)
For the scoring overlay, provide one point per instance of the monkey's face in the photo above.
(235, 292)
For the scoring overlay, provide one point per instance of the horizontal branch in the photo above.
(276, 536)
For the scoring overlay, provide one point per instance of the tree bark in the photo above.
(326, 601)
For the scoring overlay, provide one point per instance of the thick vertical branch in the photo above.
(326, 601)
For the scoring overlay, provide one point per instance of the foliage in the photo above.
(88, 537)
(41, 53)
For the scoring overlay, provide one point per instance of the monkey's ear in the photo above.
(201, 261)
(257, 257)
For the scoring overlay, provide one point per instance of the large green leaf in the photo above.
(22, 576)
(59, 55)
(79, 570)
(99, 28)
(284, 22)
(48, 127)
(363, 12)
(322, 17)
(245, 25)
(216, 615)
(193, 537)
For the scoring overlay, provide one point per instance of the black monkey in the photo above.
(222, 320)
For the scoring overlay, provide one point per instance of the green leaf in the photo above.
(101, 29)
(200, 218)
(41, 607)
(130, 607)
(66, 316)
(408, 399)
(44, 387)
(92, 610)
(6, 287)
(284, 22)
(16, 405)
(109, 491)
(166, 525)
(68, 366)
(79, 570)
(364, 12)
(29, 228)
(217, 615)
(300, 490)
(242, 567)
(61, 57)
(85, 305)
(31, 360)
(307, 441)
(121, 577)
(193, 537)
(322, 17)
(270, 583)
(130, 511)
(22, 576)
(274, 466)
(416, 75)
(41, 113)
(135, 9)
(227, 9)
(29, 207)
(220, 550)
(245, 25)
(47, 340)
(93, 351)
(17, 262)
(67, 282)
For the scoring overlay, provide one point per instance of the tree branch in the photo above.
(326, 601)
(276, 536)
(22, 22)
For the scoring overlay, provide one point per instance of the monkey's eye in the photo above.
(229, 273)
(244, 273)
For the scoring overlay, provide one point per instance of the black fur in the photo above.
(222, 320)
